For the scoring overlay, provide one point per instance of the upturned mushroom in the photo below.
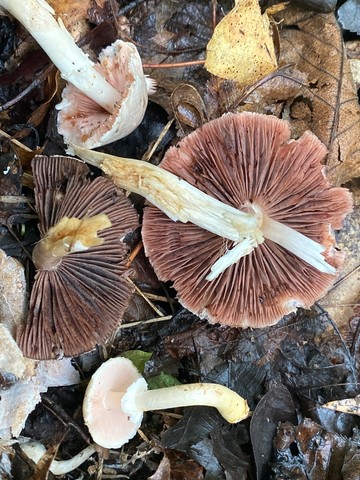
(183, 201)
(80, 290)
(117, 397)
(104, 102)
(249, 162)
(266, 214)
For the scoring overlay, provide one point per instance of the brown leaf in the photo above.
(177, 466)
(343, 298)
(188, 106)
(316, 48)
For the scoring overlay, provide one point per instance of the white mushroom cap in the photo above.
(109, 426)
(83, 122)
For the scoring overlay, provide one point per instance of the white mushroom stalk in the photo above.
(35, 450)
(117, 397)
(138, 399)
(183, 202)
(37, 17)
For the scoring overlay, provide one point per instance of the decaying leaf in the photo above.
(355, 70)
(315, 46)
(314, 452)
(188, 106)
(176, 466)
(274, 407)
(12, 292)
(18, 401)
(349, 16)
(242, 47)
(74, 15)
(343, 298)
(347, 405)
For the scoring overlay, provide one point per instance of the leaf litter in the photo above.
(288, 372)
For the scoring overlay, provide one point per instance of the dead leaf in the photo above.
(274, 407)
(176, 466)
(34, 377)
(188, 106)
(315, 46)
(355, 69)
(315, 453)
(13, 296)
(343, 298)
(347, 405)
(242, 47)
(74, 15)
(349, 16)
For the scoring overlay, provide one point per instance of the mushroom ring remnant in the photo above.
(80, 291)
(117, 397)
(249, 162)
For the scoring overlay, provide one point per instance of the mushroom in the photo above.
(246, 227)
(80, 290)
(105, 102)
(248, 161)
(35, 450)
(117, 397)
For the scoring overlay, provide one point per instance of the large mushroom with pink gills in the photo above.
(80, 291)
(242, 218)
(248, 161)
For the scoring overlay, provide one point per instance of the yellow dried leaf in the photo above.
(242, 47)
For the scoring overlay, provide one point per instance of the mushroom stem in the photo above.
(230, 405)
(74, 65)
(296, 243)
(181, 201)
(35, 450)
(175, 197)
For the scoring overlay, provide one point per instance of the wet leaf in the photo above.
(242, 47)
(274, 407)
(349, 16)
(316, 454)
(315, 46)
(176, 466)
(227, 449)
(33, 378)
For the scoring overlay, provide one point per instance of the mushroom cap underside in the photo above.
(82, 301)
(242, 159)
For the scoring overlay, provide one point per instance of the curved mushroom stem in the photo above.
(181, 201)
(35, 450)
(74, 65)
(230, 405)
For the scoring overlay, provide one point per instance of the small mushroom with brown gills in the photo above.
(117, 397)
(80, 290)
(248, 161)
